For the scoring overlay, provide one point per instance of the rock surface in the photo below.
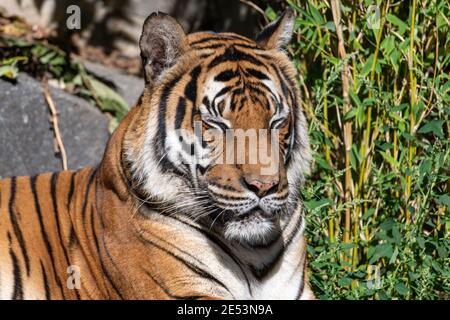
(26, 136)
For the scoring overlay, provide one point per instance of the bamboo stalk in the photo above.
(367, 132)
(331, 225)
(335, 8)
(413, 88)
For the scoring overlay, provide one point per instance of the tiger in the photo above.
(161, 217)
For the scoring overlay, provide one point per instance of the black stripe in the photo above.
(222, 38)
(212, 46)
(18, 289)
(247, 46)
(151, 234)
(242, 102)
(97, 247)
(225, 187)
(45, 281)
(72, 237)
(288, 149)
(261, 273)
(190, 266)
(226, 75)
(201, 168)
(302, 284)
(86, 195)
(217, 125)
(215, 240)
(207, 104)
(232, 54)
(204, 56)
(44, 234)
(222, 91)
(16, 227)
(180, 112)
(190, 91)
(281, 79)
(160, 138)
(257, 74)
(167, 292)
(207, 39)
(53, 183)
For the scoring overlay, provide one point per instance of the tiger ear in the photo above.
(161, 43)
(278, 34)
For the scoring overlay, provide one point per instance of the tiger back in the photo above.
(161, 217)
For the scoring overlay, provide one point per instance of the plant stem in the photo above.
(335, 7)
(413, 92)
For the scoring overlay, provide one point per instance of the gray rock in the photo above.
(26, 137)
(128, 86)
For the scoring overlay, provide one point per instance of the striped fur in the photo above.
(146, 225)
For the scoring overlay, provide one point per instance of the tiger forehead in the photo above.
(232, 66)
(201, 40)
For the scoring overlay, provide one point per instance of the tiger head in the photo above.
(220, 136)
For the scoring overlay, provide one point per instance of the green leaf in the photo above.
(398, 23)
(46, 58)
(350, 114)
(329, 26)
(401, 288)
(9, 72)
(315, 14)
(110, 100)
(367, 66)
(444, 199)
(396, 234)
(394, 256)
(355, 99)
(270, 14)
(388, 44)
(421, 242)
(394, 163)
(344, 282)
(322, 163)
(434, 126)
(315, 205)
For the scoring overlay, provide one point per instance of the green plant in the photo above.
(376, 92)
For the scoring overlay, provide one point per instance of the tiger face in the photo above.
(222, 138)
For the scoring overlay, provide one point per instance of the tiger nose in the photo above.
(261, 187)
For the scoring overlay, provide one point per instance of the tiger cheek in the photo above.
(225, 175)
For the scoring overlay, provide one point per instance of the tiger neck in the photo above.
(104, 215)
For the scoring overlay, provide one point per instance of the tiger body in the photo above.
(140, 225)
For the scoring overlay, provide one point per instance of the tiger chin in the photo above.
(161, 217)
